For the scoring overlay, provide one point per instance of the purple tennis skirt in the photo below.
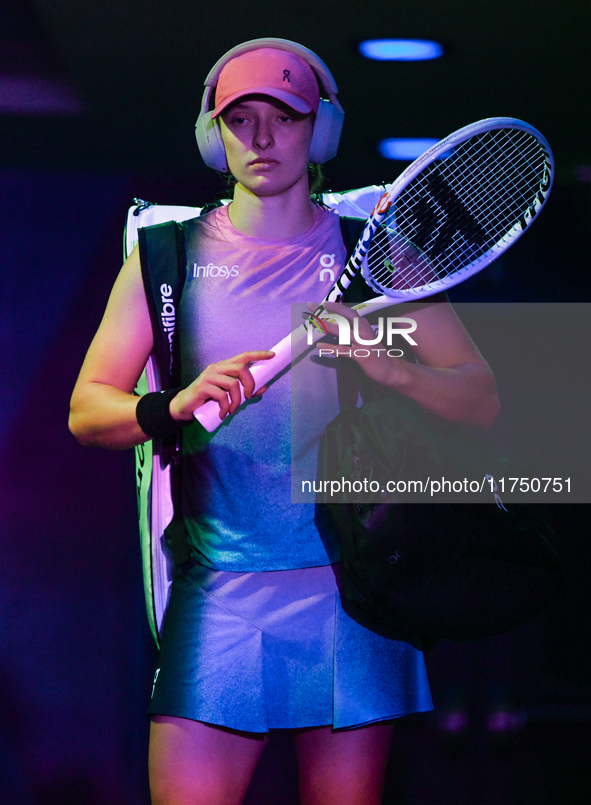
(274, 649)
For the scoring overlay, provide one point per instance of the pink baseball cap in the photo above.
(268, 71)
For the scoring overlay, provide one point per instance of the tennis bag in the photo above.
(157, 461)
(452, 570)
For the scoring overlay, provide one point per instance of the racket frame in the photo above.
(359, 257)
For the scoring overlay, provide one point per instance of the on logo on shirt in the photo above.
(327, 262)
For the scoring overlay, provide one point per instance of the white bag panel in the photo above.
(141, 216)
(355, 203)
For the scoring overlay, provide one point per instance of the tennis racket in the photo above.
(453, 211)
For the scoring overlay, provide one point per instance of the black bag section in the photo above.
(163, 261)
(456, 570)
(358, 290)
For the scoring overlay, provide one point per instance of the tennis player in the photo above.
(255, 638)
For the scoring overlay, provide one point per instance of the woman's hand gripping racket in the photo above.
(453, 211)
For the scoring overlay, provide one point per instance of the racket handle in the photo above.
(263, 372)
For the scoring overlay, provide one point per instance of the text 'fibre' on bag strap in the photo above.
(162, 257)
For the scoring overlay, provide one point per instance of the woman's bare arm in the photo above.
(103, 406)
(102, 409)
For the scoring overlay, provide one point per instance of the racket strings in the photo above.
(509, 187)
(506, 185)
(504, 198)
(515, 166)
(480, 171)
(458, 209)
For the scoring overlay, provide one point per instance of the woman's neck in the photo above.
(272, 217)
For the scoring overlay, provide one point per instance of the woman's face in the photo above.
(267, 144)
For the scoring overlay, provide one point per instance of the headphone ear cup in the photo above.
(327, 132)
(210, 143)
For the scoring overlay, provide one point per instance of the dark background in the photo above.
(97, 105)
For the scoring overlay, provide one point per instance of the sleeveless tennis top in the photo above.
(236, 485)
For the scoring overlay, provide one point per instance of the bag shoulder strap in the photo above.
(358, 290)
(163, 261)
(351, 229)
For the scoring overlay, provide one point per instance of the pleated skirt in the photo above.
(274, 649)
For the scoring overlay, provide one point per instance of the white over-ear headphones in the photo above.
(327, 125)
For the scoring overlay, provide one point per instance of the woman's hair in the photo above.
(316, 176)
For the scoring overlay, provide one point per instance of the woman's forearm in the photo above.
(105, 416)
(462, 393)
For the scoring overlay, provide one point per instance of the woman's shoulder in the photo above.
(214, 224)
